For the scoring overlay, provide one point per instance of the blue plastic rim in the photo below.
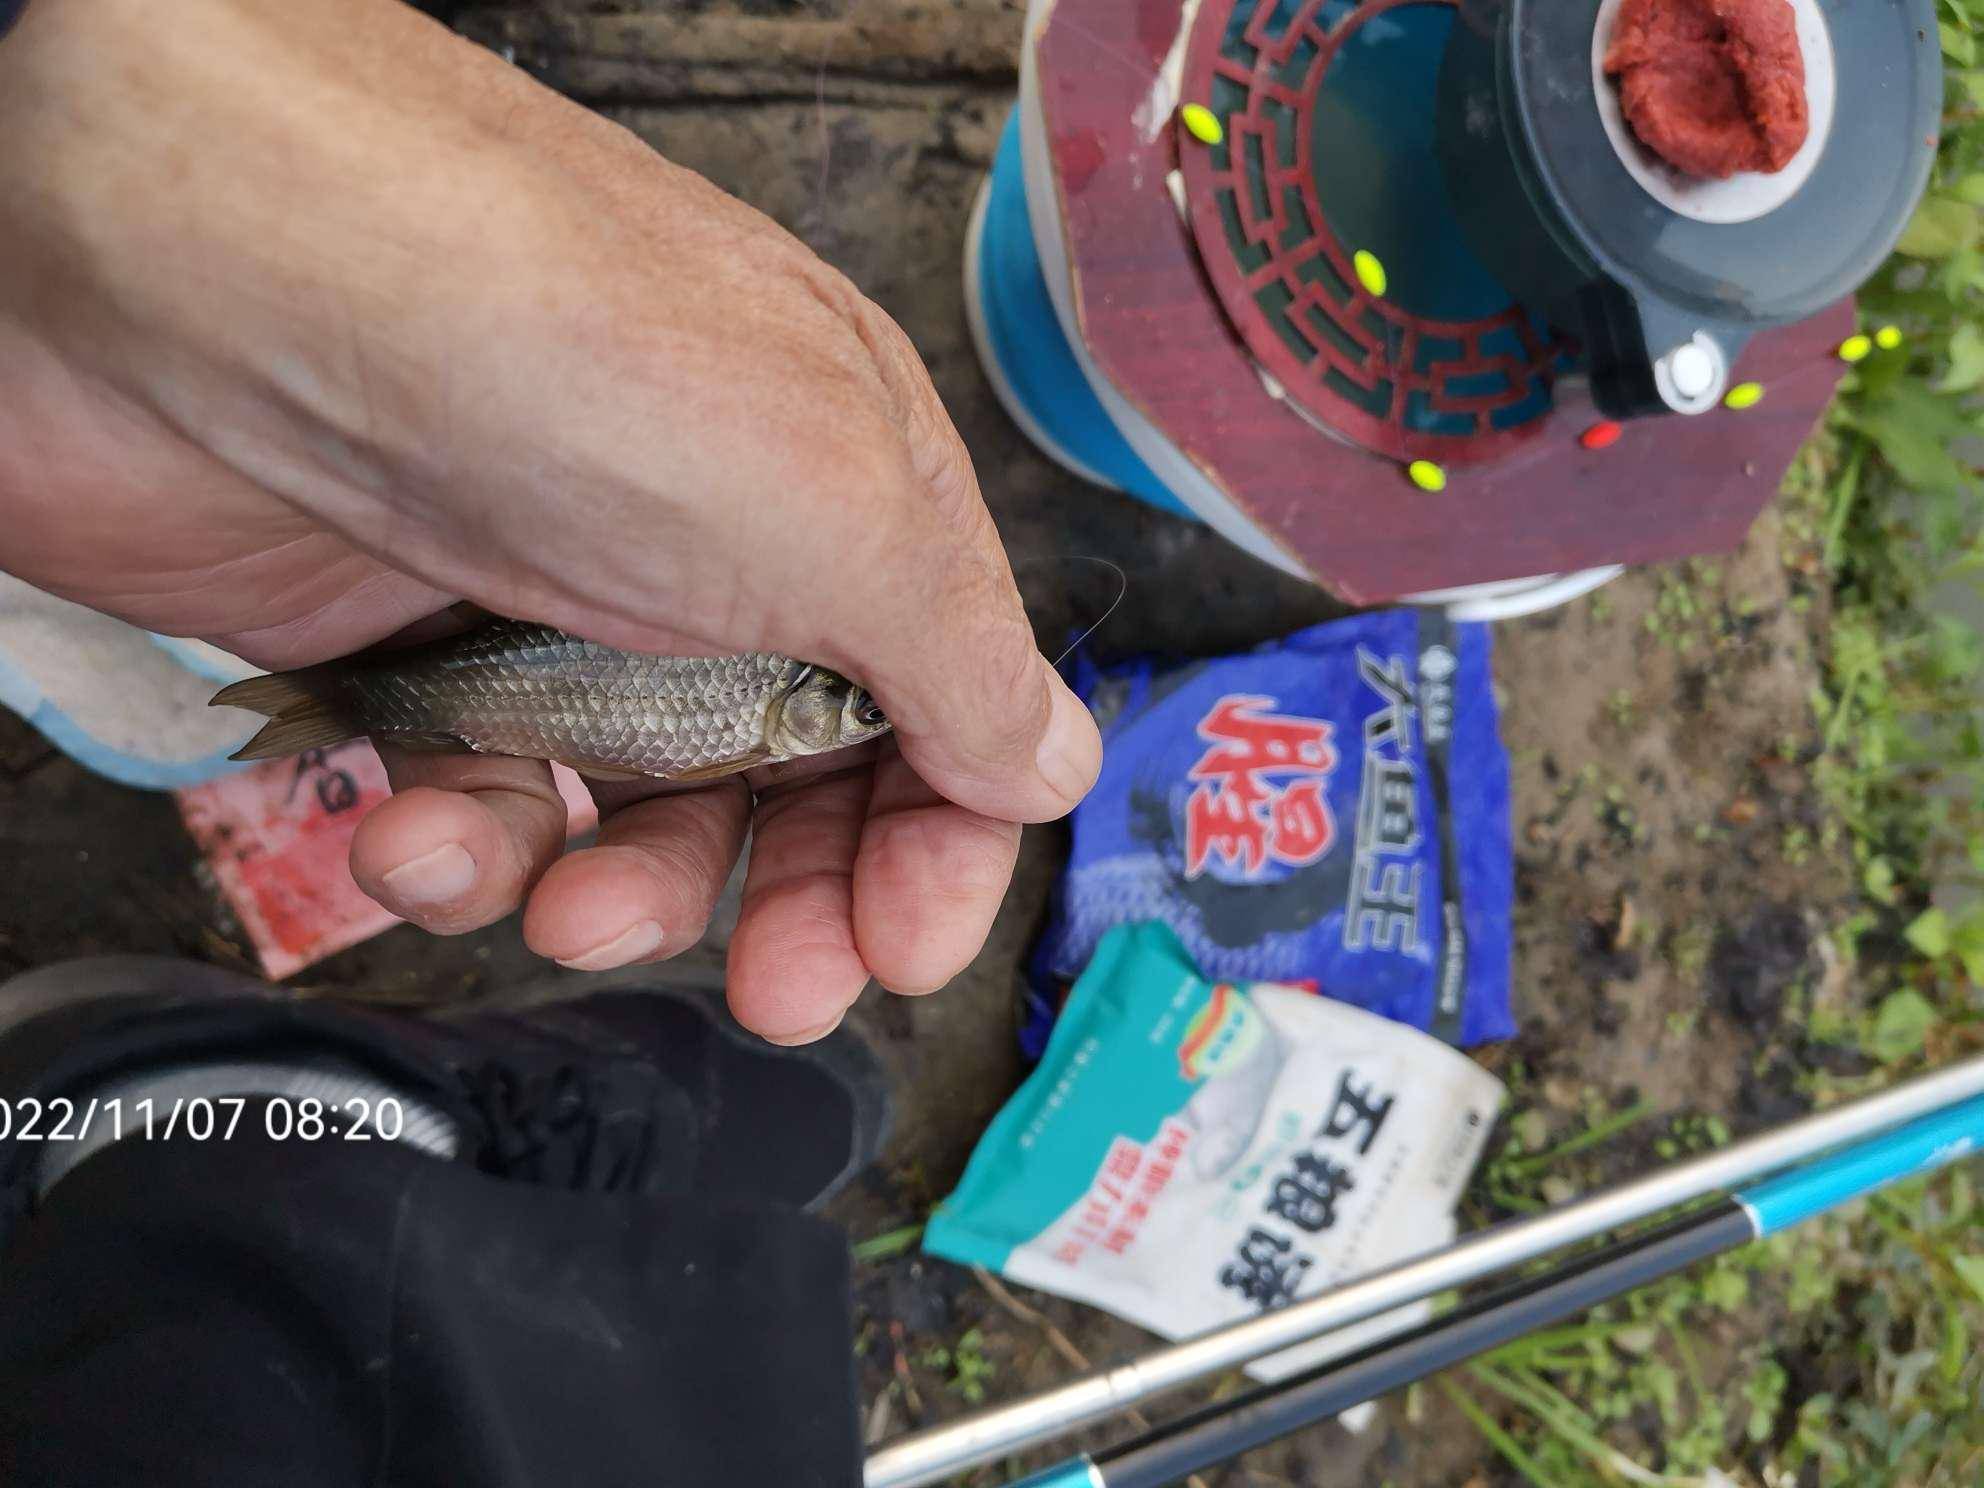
(1024, 337)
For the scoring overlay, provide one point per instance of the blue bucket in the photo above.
(1024, 350)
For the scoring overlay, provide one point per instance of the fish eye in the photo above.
(870, 714)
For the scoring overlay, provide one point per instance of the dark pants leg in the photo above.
(336, 1314)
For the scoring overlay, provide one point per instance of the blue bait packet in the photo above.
(1330, 810)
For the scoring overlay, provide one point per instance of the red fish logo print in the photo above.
(1260, 793)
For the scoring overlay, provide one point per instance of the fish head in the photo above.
(823, 711)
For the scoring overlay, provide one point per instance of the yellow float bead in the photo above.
(1856, 348)
(1427, 476)
(1370, 272)
(1888, 337)
(1202, 123)
(1745, 395)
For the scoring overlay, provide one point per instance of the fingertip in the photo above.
(805, 1036)
(437, 858)
(1070, 753)
(601, 909)
(793, 968)
(647, 890)
(438, 876)
(644, 940)
(928, 883)
(1036, 770)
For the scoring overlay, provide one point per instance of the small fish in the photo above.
(509, 687)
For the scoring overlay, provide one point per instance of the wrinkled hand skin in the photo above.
(315, 318)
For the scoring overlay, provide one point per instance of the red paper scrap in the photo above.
(278, 835)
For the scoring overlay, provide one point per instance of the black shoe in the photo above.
(639, 1086)
(789, 1124)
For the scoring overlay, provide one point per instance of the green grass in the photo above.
(965, 1362)
(886, 1246)
(1869, 1373)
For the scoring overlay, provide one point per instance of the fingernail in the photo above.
(432, 878)
(808, 1036)
(642, 938)
(1070, 755)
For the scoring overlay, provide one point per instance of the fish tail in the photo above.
(301, 708)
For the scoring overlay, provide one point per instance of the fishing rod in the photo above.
(1219, 1432)
(931, 1455)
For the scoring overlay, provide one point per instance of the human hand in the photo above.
(315, 318)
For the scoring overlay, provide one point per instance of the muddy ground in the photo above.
(1672, 867)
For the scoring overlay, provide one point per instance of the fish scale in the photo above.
(533, 691)
(523, 689)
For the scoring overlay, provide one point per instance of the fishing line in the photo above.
(1122, 591)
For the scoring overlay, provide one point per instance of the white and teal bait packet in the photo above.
(1190, 1152)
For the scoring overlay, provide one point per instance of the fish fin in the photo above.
(283, 736)
(723, 767)
(429, 743)
(300, 715)
(603, 772)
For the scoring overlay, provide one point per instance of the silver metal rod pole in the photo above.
(987, 1435)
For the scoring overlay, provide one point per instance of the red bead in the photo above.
(1601, 436)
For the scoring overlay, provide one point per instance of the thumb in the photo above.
(943, 641)
(983, 717)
